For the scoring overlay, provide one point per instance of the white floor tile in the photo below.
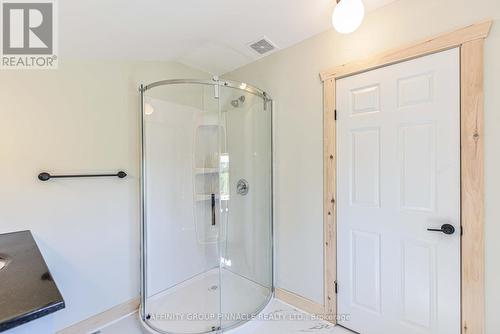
(127, 325)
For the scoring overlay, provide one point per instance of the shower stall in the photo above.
(206, 205)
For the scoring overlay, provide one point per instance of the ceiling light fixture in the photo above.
(348, 15)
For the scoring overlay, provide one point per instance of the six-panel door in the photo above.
(398, 175)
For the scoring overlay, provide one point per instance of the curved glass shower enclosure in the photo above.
(206, 190)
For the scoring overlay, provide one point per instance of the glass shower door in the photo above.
(246, 202)
(182, 142)
(207, 205)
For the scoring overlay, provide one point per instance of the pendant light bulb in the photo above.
(348, 15)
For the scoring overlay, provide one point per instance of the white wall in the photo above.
(291, 77)
(82, 117)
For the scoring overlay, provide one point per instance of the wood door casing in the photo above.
(471, 41)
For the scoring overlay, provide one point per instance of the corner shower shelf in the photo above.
(207, 148)
(208, 197)
(201, 171)
(204, 197)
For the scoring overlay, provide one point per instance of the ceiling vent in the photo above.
(263, 46)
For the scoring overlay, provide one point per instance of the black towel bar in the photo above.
(46, 176)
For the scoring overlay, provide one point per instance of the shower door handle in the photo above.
(213, 209)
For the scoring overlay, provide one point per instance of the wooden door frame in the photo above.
(470, 40)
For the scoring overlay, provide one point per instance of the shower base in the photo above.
(195, 305)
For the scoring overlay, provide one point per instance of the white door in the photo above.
(398, 174)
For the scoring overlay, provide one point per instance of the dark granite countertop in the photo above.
(27, 290)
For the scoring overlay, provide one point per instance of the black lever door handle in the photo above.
(445, 228)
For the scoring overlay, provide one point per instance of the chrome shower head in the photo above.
(236, 103)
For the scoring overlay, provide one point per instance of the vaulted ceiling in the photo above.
(212, 35)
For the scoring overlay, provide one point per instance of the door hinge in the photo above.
(336, 287)
(335, 114)
(461, 230)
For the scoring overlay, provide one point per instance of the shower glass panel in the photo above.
(246, 259)
(206, 204)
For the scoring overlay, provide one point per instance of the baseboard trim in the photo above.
(299, 301)
(102, 319)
